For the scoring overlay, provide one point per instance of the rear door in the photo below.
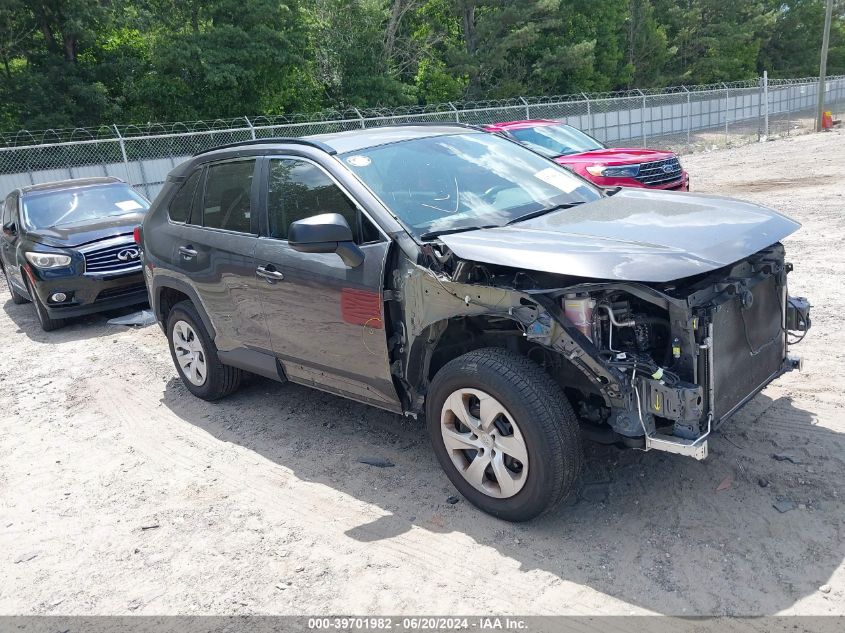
(325, 319)
(216, 251)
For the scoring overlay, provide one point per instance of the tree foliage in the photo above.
(88, 62)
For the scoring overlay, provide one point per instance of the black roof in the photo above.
(70, 184)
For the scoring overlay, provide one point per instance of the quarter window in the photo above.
(180, 206)
(299, 190)
(228, 196)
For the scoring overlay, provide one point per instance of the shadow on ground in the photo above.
(77, 328)
(661, 532)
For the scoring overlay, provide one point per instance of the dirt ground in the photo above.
(122, 494)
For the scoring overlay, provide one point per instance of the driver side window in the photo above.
(299, 189)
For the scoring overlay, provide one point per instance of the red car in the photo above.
(605, 166)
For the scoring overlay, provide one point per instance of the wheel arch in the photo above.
(167, 293)
(446, 339)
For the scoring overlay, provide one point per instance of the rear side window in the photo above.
(300, 190)
(228, 196)
(180, 206)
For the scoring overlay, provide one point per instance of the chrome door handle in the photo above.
(269, 275)
(187, 252)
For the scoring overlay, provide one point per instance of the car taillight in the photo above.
(136, 235)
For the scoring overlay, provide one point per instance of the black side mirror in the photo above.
(9, 229)
(325, 233)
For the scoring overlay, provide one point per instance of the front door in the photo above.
(326, 320)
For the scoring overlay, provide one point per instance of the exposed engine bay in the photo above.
(649, 365)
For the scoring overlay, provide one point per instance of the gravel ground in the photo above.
(122, 494)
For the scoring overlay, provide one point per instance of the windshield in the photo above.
(56, 208)
(462, 181)
(556, 140)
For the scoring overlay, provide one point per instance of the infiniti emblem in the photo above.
(128, 254)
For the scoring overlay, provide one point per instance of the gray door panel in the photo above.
(326, 320)
(222, 271)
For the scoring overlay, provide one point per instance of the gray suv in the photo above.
(441, 271)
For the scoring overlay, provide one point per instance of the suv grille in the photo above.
(113, 260)
(660, 172)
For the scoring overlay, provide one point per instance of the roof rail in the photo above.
(426, 123)
(272, 141)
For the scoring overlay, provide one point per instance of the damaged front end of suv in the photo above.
(651, 365)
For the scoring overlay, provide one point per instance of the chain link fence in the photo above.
(684, 119)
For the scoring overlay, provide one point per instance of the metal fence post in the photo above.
(123, 152)
(788, 107)
(589, 114)
(360, 117)
(689, 114)
(455, 110)
(765, 104)
(727, 96)
(251, 129)
(642, 117)
(527, 108)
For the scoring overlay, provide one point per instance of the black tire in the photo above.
(220, 380)
(17, 298)
(47, 324)
(548, 425)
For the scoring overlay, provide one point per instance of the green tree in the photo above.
(67, 63)
(647, 46)
(792, 46)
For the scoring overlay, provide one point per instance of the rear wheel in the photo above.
(504, 433)
(47, 324)
(17, 298)
(195, 355)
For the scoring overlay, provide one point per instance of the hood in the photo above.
(614, 156)
(634, 235)
(78, 234)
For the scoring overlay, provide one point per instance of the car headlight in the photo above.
(48, 260)
(621, 171)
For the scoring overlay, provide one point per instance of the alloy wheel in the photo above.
(484, 443)
(189, 353)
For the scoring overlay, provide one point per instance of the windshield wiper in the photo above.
(434, 234)
(538, 213)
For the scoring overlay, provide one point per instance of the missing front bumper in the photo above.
(697, 449)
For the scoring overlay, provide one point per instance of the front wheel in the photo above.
(504, 433)
(17, 298)
(47, 324)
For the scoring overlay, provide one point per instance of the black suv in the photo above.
(439, 270)
(69, 247)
